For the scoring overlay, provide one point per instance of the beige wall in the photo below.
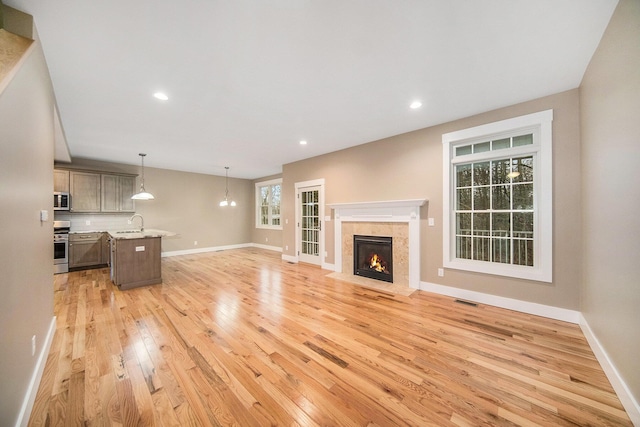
(26, 255)
(610, 113)
(187, 203)
(409, 166)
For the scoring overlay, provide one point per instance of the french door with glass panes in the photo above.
(309, 224)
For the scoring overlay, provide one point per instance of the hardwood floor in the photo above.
(243, 338)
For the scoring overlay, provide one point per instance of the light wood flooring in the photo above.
(242, 338)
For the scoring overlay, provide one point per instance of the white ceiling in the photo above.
(247, 80)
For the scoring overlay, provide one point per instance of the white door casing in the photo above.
(309, 221)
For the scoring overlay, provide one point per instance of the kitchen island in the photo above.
(135, 257)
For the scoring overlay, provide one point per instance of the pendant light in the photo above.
(226, 201)
(142, 194)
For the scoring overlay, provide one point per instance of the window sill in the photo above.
(269, 227)
(508, 270)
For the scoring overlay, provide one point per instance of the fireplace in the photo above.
(399, 219)
(373, 257)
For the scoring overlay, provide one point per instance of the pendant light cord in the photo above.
(142, 181)
(226, 202)
(226, 182)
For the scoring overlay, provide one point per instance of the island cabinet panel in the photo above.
(136, 262)
(106, 249)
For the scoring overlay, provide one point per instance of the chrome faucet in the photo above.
(141, 221)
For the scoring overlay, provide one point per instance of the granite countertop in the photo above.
(137, 234)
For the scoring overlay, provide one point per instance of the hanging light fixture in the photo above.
(226, 201)
(142, 194)
(512, 171)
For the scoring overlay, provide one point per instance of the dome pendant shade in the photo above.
(226, 201)
(142, 194)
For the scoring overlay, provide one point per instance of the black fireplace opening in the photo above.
(373, 257)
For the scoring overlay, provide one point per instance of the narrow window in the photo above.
(268, 196)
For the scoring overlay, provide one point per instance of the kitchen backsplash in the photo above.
(101, 222)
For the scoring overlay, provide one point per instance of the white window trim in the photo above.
(258, 203)
(543, 200)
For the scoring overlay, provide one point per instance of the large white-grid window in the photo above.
(268, 195)
(498, 198)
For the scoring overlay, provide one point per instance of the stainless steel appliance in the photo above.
(61, 201)
(61, 246)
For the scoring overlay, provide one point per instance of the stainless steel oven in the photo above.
(61, 246)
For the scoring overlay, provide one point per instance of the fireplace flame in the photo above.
(376, 264)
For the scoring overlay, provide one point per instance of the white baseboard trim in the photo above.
(290, 258)
(294, 259)
(624, 394)
(551, 312)
(267, 247)
(203, 250)
(327, 266)
(30, 396)
(220, 248)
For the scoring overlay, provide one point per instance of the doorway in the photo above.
(309, 215)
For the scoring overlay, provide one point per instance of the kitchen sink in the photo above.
(128, 231)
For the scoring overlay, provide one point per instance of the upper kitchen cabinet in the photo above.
(96, 191)
(85, 191)
(61, 180)
(116, 193)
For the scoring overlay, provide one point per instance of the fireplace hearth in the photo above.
(373, 257)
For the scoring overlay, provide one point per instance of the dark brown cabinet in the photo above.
(116, 193)
(93, 192)
(85, 191)
(85, 249)
(61, 180)
(106, 250)
(135, 262)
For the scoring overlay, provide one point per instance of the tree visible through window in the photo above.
(268, 196)
(494, 210)
(497, 211)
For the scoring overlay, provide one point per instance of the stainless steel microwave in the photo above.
(61, 201)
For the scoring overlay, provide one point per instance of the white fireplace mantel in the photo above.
(383, 211)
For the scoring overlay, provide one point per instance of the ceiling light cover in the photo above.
(161, 96)
(303, 142)
(226, 201)
(415, 104)
(142, 194)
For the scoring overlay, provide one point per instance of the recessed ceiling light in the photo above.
(415, 104)
(161, 96)
(303, 142)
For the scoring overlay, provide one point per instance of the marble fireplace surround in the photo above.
(399, 219)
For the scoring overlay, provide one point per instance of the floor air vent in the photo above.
(472, 304)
